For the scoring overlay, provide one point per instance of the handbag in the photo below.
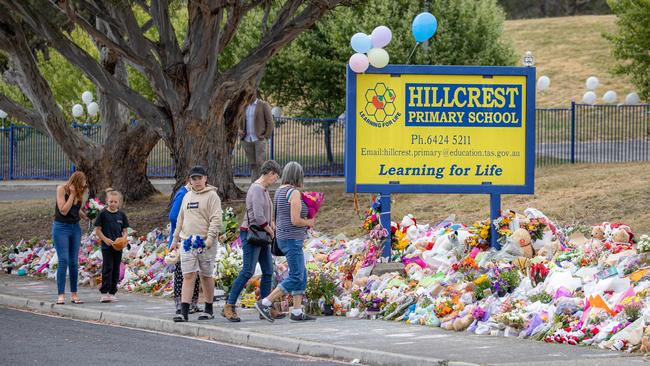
(256, 235)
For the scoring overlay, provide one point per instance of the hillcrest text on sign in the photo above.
(441, 129)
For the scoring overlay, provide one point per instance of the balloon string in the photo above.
(412, 52)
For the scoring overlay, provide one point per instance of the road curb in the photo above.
(226, 335)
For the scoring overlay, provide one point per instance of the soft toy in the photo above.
(619, 235)
(598, 232)
(171, 258)
(522, 237)
(550, 250)
(462, 322)
(645, 344)
(625, 228)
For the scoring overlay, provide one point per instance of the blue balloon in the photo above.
(424, 26)
(361, 42)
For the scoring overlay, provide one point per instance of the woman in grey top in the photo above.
(259, 209)
(292, 224)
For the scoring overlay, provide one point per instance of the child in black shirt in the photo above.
(110, 225)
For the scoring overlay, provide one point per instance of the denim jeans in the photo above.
(296, 283)
(253, 254)
(67, 239)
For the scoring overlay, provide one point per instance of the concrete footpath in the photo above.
(368, 342)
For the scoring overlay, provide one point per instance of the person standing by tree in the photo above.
(178, 273)
(255, 129)
(66, 233)
(197, 228)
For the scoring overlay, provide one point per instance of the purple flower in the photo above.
(479, 314)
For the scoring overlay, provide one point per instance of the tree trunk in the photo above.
(209, 144)
(327, 130)
(122, 164)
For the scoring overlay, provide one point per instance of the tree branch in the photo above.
(203, 61)
(115, 43)
(285, 29)
(77, 56)
(25, 73)
(168, 48)
(22, 113)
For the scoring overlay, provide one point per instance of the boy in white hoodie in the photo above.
(200, 216)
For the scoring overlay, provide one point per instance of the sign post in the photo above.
(440, 129)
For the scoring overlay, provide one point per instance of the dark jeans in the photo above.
(110, 270)
(67, 239)
(253, 254)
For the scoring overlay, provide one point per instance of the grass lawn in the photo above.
(587, 194)
(569, 50)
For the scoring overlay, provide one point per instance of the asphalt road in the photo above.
(31, 339)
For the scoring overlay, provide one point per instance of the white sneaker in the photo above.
(105, 298)
(113, 298)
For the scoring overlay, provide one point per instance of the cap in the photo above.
(197, 170)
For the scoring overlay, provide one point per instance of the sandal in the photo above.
(60, 302)
(76, 301)
(179, 319)
(206, 316)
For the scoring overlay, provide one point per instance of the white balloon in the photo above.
(276, 112)
(610, 97)
(632, 98)
(87, 97)
(589, 97)
(93, 108)
(592, 83)
(543, 83)
(3, 114)
(77, 110)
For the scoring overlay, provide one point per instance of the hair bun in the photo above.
(109, 189)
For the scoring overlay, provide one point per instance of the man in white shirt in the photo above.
(254, 130)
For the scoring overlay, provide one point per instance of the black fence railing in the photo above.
(580, 134)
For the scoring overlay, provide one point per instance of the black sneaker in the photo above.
(195, 309)
(179, 319)
(264, 311)
(301, 318)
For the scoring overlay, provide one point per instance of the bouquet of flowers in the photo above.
(481, 237)
(372, 215)
(538, 273)
(502, 225)
(228, 263)
(643, 246)
(443, 306)
(93, 207)
(194, 243)
(536, 228)
(632, 307)
(313, 200)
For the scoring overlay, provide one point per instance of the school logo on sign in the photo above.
(380, 110)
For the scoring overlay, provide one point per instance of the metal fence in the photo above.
(580, 134)
(593, 134)
(317, 143)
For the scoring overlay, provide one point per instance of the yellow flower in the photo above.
(481, 279)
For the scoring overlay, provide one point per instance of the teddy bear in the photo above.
(598, 232)
(550, 250)
(462, 322)
(645, 340)
(619, 235)
(522, 237)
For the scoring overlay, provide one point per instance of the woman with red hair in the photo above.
(66, 233)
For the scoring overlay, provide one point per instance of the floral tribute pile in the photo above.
(575, 285)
